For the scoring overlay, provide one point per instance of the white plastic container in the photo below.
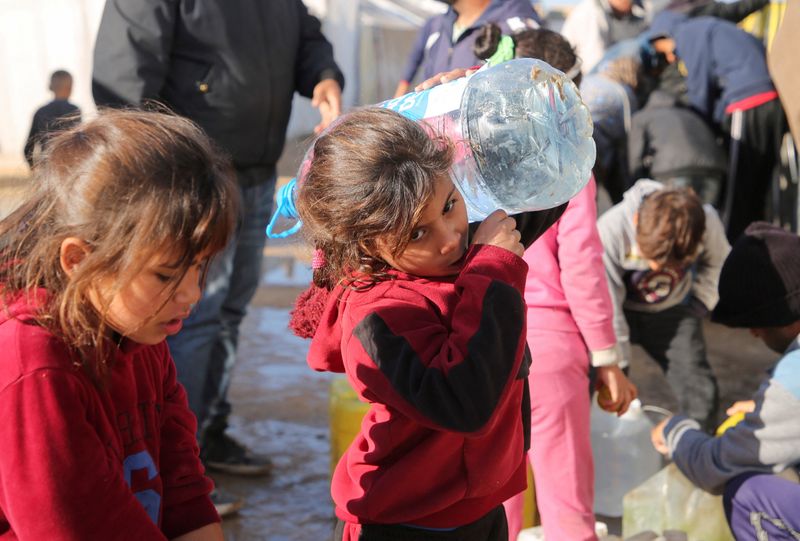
(624, 457)
(537, 532)
(522, 137)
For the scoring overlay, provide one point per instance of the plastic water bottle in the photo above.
(522, 137)
(624, 457)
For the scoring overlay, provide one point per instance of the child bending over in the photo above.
(97, 268)
(663, 250)
(426, 316)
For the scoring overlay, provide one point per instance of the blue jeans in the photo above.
(205, 349)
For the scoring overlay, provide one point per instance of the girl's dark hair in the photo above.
(129, 184)
(539, 43)
(370, 177)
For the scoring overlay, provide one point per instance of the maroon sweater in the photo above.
(78, 462)
(442, 364)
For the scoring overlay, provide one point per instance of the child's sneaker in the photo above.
(225, 503)
(223, 453)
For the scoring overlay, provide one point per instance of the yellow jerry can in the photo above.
(346, 413)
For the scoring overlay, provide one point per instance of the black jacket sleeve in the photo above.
(733, 12)
(132, 51)
(314, 56)
(531, 224)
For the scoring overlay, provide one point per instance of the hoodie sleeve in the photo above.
(580, 258)
(709, 263)
(611, 229)
(693, 47)
(418, 51)
(187, 505)
(55, 479)
(444, 373)
(767, 440)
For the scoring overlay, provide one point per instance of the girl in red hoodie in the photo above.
(426, 316)
(100, 265)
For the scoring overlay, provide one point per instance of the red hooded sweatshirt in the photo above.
(78, 462)
(442, 364)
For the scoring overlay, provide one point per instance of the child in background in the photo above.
(426, 317)
(663, 250)
(754, 464)
(58, 114)
(97, 268)
(570, 320)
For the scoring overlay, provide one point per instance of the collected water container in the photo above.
(522, 138)
(624, 457)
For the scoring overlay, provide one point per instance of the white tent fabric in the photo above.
(38, 37)
(371, 40)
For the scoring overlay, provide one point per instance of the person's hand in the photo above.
(445, 77)
(499, 229)
(402, 89)
(657, 437)
(615, 390)
(327, 97)
(741, 406)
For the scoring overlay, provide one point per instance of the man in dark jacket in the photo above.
(729, 84)
(232, 66)
(446, 41)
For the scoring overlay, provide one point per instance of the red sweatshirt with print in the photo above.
(79, 462)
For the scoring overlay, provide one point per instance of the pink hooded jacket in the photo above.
(566, 289)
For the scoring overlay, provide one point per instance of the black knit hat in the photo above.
(760, 281)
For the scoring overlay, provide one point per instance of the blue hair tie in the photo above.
(287, 209)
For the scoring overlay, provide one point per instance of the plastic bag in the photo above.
(669, 501)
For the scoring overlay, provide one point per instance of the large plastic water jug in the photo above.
(623, 455)
(522, 135)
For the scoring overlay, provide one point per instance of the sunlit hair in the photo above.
(670, 226)
(131, 185)
(369, 180)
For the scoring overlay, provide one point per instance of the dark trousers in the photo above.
(674, 338)
(490, 527)
(755, 141)
(761, 506)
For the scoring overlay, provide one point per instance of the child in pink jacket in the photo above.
(570, 319)
(569, 325)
